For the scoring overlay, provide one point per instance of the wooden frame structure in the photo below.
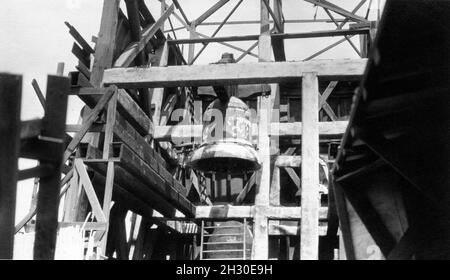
(124, 155)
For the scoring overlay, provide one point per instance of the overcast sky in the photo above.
(34, 39)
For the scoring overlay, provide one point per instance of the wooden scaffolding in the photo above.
(128, 153)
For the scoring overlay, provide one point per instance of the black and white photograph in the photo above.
(247, 133)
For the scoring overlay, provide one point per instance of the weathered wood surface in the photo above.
(309, 237)
(11, 95)
(177, 133)
(233, 73)
(48, 195)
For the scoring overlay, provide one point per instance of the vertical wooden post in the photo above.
(260, 248)
(106, 41)
(309, 235)
(53, 127)
(60, 69)
(109, 133)
(10, 98)
(104, 51)
(191, 50)
(70, 202)
(158, 93)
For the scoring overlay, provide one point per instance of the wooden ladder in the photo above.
(207, 233)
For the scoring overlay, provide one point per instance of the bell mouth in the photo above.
(224, 157)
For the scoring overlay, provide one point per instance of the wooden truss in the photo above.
(122, 156)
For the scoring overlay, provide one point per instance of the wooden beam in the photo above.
(278, 43)
(370, 218)
(277, 229)
(338, 10)
(344, 220)
(32, 211)
(270, 212)
(90, 192)
(135, 48)
(38, 91)
(277, 36)
(107, 38)
(260, 247)
(226, 44)
(233, 73)
(158, 93)
(131, 111)
(179, 133)
(219, 4)
(288, 161)
(215, 31)
(87, 123)
(77, 36)
(10, 95)
(48, 196)
(247, 188)
(309, 237)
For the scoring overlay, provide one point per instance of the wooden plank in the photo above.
(139, 146)
(77, 36)
(295, 129)
(87, 123)
(82, 56)
(107, 38)
(158, 93)
(48, 196)
(233, 73)
(133, 113)
(184, 133)
(270, 212)
(11, 95)
(288, 161)
(110, 122)
(279, 36)
(247, 188)
(290, 230)
(133, 192)
(35, 172)
(278, 43)
(223, 212)
(260, 247)
(219, 4)
(139, 168)
(38, 91)
(90, 192)
(133, 50)
(336, 9)
(309, 237)
(370, 218)
(32, 211)
(71, 198)
(191, 48)
(30, 129)
(344, 221)
(294, 177)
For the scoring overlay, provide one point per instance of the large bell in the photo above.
(226, 140)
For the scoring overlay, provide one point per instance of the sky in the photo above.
(34, 39)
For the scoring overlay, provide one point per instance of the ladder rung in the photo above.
(225, 259)
(224, 234)
(222, 251)
(222, 243)
(223, 227)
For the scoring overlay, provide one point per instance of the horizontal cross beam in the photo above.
(303, 35)
(179, 133)
(271, 212)
(233, 73)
